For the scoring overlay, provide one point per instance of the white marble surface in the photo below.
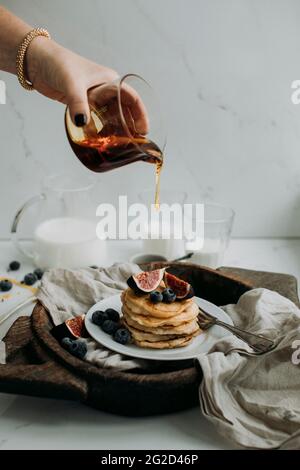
(223, 71)
(32, 423)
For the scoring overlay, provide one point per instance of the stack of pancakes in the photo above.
(161, 325)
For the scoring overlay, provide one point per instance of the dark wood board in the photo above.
(38, 366)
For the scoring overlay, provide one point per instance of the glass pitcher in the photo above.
(120, 131)
(65, 229)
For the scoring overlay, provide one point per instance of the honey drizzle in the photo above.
(157, 184)
(5, 297)
(19, 284)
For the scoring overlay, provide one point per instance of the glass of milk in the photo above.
(64, 232)
(209, 250)
(163, 235)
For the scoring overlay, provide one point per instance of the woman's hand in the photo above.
(62, 75)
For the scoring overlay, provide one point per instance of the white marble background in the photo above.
(223, 69)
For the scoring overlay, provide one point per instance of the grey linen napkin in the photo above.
(67, 293)
(254, 400)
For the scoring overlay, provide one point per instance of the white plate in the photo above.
(201, 344)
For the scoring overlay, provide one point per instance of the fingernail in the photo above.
(80, 120)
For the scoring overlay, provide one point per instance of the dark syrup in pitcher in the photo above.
(105, 153)
(104, 143)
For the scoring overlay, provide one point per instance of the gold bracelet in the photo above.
(21, 55)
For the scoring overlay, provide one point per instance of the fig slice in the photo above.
(73, 328)
(182, 289)
(146, 281)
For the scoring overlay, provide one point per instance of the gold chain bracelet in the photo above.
(21, 55)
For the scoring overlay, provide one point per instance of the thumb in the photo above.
(78, 105)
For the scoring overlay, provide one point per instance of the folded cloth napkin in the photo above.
(254, 400)
(67, 293)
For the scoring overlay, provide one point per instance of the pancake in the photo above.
(188, 314)
(151, 337)
(142, 305)
(139, 309)
(144, 301)
(183, 328)
(170, 344)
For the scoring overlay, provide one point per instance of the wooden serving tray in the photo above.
(38, 366)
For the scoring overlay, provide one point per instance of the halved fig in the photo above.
(182, 289)
(73, 328)
(146, 281)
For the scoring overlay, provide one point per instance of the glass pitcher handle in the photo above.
(16, 221)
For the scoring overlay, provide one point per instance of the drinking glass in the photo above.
(218, 222)
(160, 238)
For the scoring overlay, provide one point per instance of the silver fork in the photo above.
(258, 343)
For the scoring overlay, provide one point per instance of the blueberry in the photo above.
(14, 266)
(122, 336)
(110, 327)
(78, 348)
(30, 279)
(113, 314)
(39, 273)
(5, 285)
(168, 295)
(66, 343)
(99, 317)
(156, 297)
